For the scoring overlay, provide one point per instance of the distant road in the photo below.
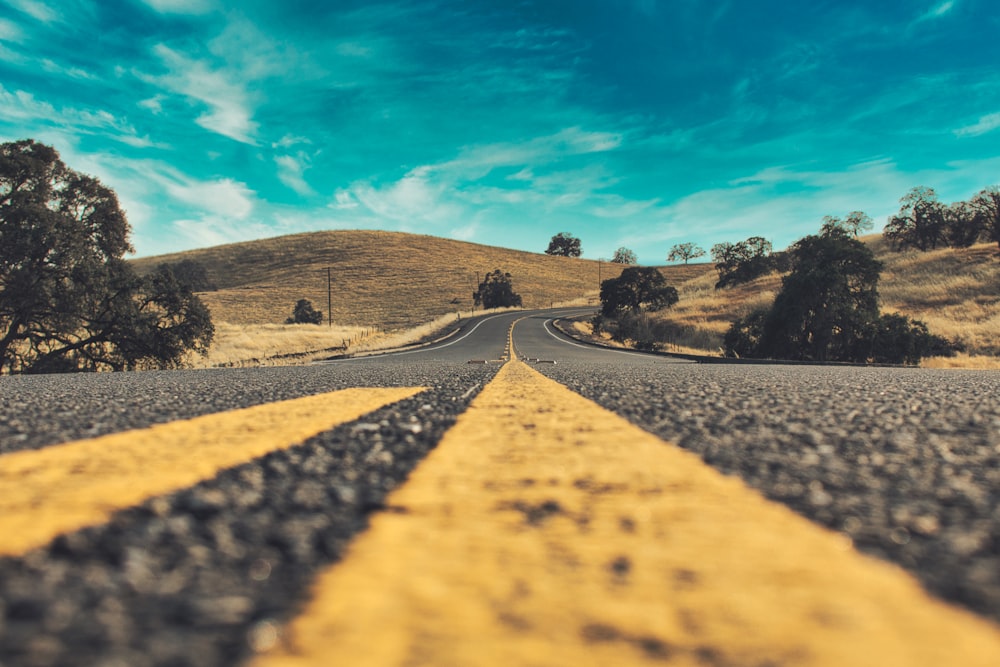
(561, 521)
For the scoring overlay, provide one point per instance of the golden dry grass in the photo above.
(268, 344)
(391, 289)
(956, 292)
(389, 280)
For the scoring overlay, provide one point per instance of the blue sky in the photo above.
(637, 123)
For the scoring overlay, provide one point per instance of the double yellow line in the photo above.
(543, 530)
(66, 487)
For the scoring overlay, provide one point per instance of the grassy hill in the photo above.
(388, 280)
(956, 292)
(395, 282)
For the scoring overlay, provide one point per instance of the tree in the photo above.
(685, 252)
(496, 291)
(827, 310)
(303, 313)
(623, 256)
(637, 288)
(826, 303)
(854, 223)
(742, 262)
(68, 299)
(192, 275)
(986, 207)
(962, 226)
(921, 222)
(565, 245)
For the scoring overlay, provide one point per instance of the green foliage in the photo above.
(303, 313)
(921, 222)
(565, 245)
(637, 288)
(497, 291)
(68, 300)
(827, 310)
(897, 339)
(986, 208)
(963, 227)
(742, 262)
(623, 256)
(191, 275)
(742, 340)
(633, 328)
(685, 252)
(826, 302)
(853, 224)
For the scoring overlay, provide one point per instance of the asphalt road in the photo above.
(905, 462)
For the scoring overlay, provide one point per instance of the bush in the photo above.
(496, 291)
(305, 314)
(637, 288)
(827, 310)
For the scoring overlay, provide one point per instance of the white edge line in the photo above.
(430, 348)
(545, 325)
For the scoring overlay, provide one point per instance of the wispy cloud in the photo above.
(939, 10)
(290, 170)
(20, 107)
(37, 10)
(229, 109)
(182, 6)
(987, 123)
(10, 31)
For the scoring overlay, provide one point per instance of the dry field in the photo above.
(956, 292)
(392, 289)
(388, 289)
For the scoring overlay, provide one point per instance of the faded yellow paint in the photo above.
(545, 530)
(58, 489)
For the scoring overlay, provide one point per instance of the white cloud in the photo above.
(153, 104)
(413, 198)
(290, 140)
(181, 6)
(228, 102)
(344, 201)
(938, 10)
(224, 197)
(21, 108)
(10, 31)
(290, 170)
(36, 10)
(477, 161)
(986, 124)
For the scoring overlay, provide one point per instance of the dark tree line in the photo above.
(828, 310)
(925, 223)
(68, 299)
(497, 291)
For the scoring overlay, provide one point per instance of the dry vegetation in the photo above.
(396, 287)
(956, 292)
(392, 289)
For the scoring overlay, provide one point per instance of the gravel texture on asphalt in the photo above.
(906, 462)
(208, 575)
(40, 410)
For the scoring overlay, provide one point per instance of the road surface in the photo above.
(585, 506)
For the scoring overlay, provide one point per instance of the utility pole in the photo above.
(329, 297)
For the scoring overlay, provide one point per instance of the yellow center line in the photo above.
(545, 530)
(51, 491)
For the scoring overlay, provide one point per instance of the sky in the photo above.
(635, 123)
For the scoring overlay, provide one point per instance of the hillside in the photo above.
(956, 292)
(386, 280)
(391, 281)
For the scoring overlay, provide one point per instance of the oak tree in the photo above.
(68, 299)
